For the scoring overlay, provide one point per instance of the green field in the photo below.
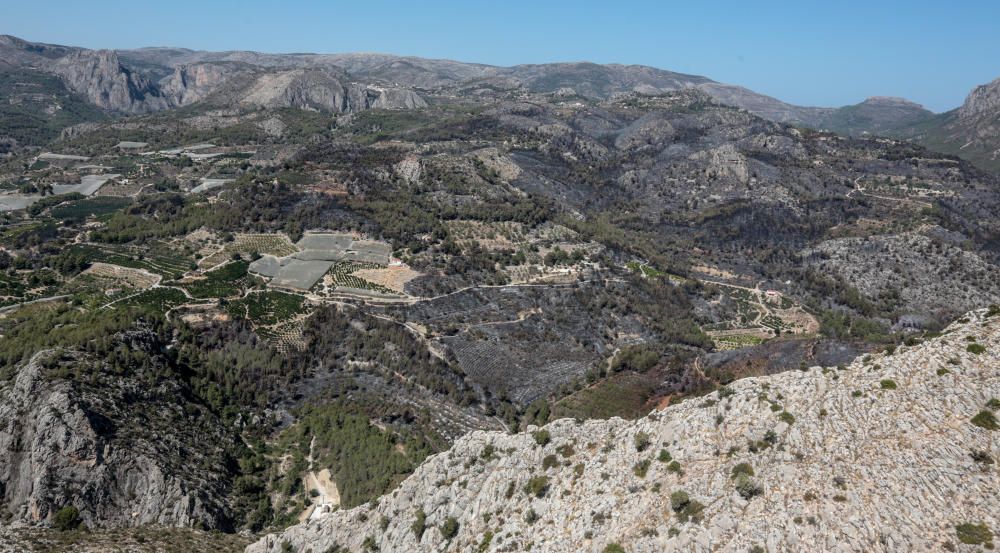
(228, 280)
(91, 207)
(156, 258)
(159, 300)
(268, 308)
(623, 395)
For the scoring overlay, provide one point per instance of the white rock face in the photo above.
(854, 465)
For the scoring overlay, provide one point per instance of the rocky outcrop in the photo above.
(191, 83)
(122, 451)
(106, 83)
(890, 453)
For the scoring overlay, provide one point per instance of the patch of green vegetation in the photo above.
(685, 508)
(986, 419)
(228, 280)
(975, 349)
(26, 98)
(98, 206)
(888, 384)
(67, 518)
(537, 486)
(157, 300)
(364, 460)
(155, 258)
(268, 307)
(623, 395)
(542, 437)
(641, 468)
(641, 441)
(974, 533)
(38, 327)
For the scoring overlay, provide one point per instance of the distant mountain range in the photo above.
(154, 79)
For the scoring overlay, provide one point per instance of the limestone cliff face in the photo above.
(881, 455)
(121, 451)
(325, 90)
(106, 83)
(191, 83)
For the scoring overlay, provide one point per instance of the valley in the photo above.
(353, 302)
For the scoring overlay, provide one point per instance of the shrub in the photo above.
(746, 487)
(67, 518)
(531, 516)
(888, 384)
(450, 528)
(641, 441)
(678, 500)
(537, 486)
(686, 508)
(550, 461)
(488, 452)
(485, 544)
(566, 450)
(742, 468)
(675, 468)
(981, 456)
(641, 468)
(613, 548)
(664, 456)
(993, 404)
(974, 534)
(975, 349)
(542, 437)
(419, 524)
(943, 371)
(986, 419)
(787, 417)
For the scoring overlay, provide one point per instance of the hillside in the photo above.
(971, 131)
(894, 452)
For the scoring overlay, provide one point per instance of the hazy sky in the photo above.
(825, 53)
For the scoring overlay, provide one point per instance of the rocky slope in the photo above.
(891, 453)
(117, 448)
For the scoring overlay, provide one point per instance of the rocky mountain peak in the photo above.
(984, 99)
(891, 101)
(106, 83)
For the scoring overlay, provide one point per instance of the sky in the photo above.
(807, 52)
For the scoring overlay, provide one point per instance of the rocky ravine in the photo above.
(881, 455)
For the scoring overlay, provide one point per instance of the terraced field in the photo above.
(341, 274)
(226, 281)
(159, 300)
(158, 258)
(277, 245)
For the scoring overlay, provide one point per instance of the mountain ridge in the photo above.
(767, 462)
